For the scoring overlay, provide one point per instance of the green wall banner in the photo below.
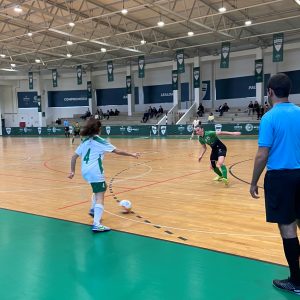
(196, 77)
(128, 85)
(54, 78)
(79, 75)
(141, 66)
(174, 80)
(110, 71)
(225, 51)
(180, 61)
(278, 41)
(138, 130)
(30, 80)
(259, 70)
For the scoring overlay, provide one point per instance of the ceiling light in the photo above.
(143, 42)
(222, 9)
(13, 65)
(69, 55)
(248, 22)
(18, 9)
(29, 34)
(298, 2)
(38, 61)
(8, 70)
(160, 23)
(2, 55)
(103, 49)
(124, 11)
(69, 43)
(190, 33)
(71, 24)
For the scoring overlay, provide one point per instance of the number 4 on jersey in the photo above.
(87, 156)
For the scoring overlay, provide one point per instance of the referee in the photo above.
(279, 149)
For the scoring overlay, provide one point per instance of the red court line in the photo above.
(137, 188)
(38, 178)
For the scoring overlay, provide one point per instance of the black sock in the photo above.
(291, 251)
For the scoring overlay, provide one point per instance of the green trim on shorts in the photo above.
(99, 187)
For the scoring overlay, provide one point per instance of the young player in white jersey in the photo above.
(91, 151)
(195, 124)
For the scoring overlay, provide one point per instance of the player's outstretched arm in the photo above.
(202, 151)
(73, 165)
(235, 133)
(125, 153)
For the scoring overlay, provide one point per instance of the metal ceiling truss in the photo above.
(99, 25)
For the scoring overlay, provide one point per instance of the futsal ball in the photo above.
(126, 204)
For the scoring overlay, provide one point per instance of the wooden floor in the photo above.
(174, 197)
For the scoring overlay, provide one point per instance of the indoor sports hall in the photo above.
(147, 70)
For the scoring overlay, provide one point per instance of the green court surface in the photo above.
(44, 258)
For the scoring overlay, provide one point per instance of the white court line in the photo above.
(134, 177)
(194, 230)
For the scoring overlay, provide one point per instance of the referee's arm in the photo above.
(259, 165)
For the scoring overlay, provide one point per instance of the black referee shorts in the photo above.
(282, 196)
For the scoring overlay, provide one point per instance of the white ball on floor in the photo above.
(126, 204)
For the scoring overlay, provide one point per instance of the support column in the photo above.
(197, 90)
(213, 84)
(260, 85)
(41, 92)
(130, 97)
(176, 100)
(93, 100)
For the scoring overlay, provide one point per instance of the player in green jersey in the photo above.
(218, 150)
(76, 131)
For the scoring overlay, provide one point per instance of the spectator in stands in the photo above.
(266, 107)
(146, 116)
(106, 115)
(256, 109)
(261, 111)
(159, 112)
(211, 118)
(116, 112)
(200, 111)
(154, 112)
(111, 113)
(86, 115)
(58, 121)
(250, 108)
(223, 108)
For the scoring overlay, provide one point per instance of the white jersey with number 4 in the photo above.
(92, 152)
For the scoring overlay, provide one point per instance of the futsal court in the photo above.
(187, 236)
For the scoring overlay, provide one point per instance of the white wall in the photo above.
(241, 64)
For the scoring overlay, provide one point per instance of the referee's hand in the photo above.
(254, 191)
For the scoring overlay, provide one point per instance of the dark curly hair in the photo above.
(92, 127)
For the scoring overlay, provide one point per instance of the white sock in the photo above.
(93, 201)
(98, 211)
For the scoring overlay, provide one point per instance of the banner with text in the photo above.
(116, 96)
(27, 99)
(67, 98)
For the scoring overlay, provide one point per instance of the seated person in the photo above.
(200, 111)
(116, 112)
(159, 112)
(211, 118)
(145, 117)
(58, 121)
(111, 113)
(250, 108)
(106, 115)
(223, 108)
